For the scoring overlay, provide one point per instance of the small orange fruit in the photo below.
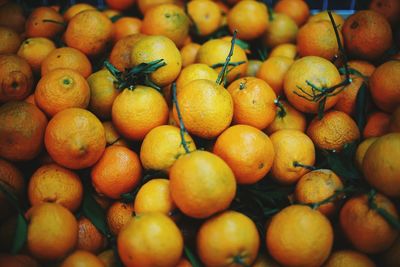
(89, 237)
(120, 55)
(298, 10)
(82, 258)
(364, 67)
(184, 263)
(189, 51)
(126, 26)
(253, 67)
(9, 40)
(108, 258)
(284, 50)
(145, 5)
(112, 136)
(206, 16)
(195, 72)
(264, 260)
(390, 9)
(287, 118)
(44, 22)
(348, 97)
(117, 172)
(323, 15)
(55, 184)
(19, 260)
(12, 15)
(220, 240)
(201, 184)
(75, 9)
(377, 124)
(343, 258)
(362, 149)
(35, 50)
(120, 4)
(139, 244)
(118, 215)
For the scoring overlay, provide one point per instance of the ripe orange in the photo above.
(213, 108)
(117, 172)
(150, 239)
(343, 258)
(221, 242)
(126, 26)
(281, 30)
(22, 128)
(162, 146)
(145, 5)
(44, 22)
(273, 71)
(19, 260)
(52, 231)
(247, 150)
(284, 50)
(205, 15)
(75, 138)
(16, 78)
(68, 58)
(316, 186)
(89, 238)
(364, 67)
(316, 70)
(55, 184)
(201, 184)
(368, 231)
(253, 67)
(333, 131)
(120, 55)
(291, 147)
(108, 258)
(118, 215)
(195, 72)
(287, 118)
(12, 15)
(377, 124)
(112, 136)
(168, 20)
(75, 9)
(379, 164)
(35, 50)
(249, 18)
(323, 15)
(348, 97)
(362, 149)
(184, 263)
(110, 13)
(394, 123)
(390, 9)
(9, 40)
(299, 236)
(120, 4)
(298, 10)
(82, 258)
(132, 116)
(89, 31)
(189, 51)
(367, 35)
(384, 87)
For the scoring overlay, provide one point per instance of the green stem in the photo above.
(393, 221)
(182, 129)
(308, 167)
(282, 111)
(222, 73)
(239, 260)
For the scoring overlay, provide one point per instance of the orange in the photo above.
(19, 260)
(55, 184)
(118, 215)
(379, 164)
(323, 15)
(215, 52)
(253, 102)
(333, 131)
(126, 26)
(117, 172)
(132, 116)
(221, 242)
(364, 67)
(298, 10)
(391, 257)
(367, 35)
(89, 237)
(120, 55)
(89, 31)
(324, 44)
(394, 123)
(189, 51)
(291, 147)
(108, 258)
(16, 78)
(110, 13)
(150, 239)
(348, 97)
(61, 89)
(316, 186)
(44, 22)
(253, 67)
(120, 4)
(299, 236)
(168, 20)
(195, 72)
(384, 87)
(205, 15)
(249, 18)
(344, 258)
(273, 71)
(9, 40)
(75, 9)
(284, 50)
(247, 150)
(368, 231)
(145, 5)
(206, 108)
(201, 184)
(377, 124)
(184, 263)
(12, 15)
(162, 146)
(52, 231)
(102, 93)
(154, 196)
(75, 138)
(287, 118)
(112, 136)
(265, 261)
(390, 9)
(150, 48)
(35, 50)
(22, 128)
(362, 149)
(81, 258)
(316, 70)
(68, 58)
(12, 179)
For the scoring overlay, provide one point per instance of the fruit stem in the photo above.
(239, 260)
(222, 73)
(282, 111)
(308, 167)
(182, 129)
(390, 219)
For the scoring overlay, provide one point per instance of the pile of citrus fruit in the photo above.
(199, 133)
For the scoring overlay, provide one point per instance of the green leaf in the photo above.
(192, 258)
(93, 211)
(361, 107)
(321, 107)
(242, 44)
(340, 165)
(20, 234)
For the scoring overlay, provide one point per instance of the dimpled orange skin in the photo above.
(82, 258)
(291, 119)
(206, 16)
(201, 184)
(343, 258)
(299, 236)
(362, 149)
(89, 237)
(193, 72)
(228, 235)
(120, 55)
(247, 150)
(118, 215)
(35, 25)
(206, 108)
(253, 102)
(368, 231)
